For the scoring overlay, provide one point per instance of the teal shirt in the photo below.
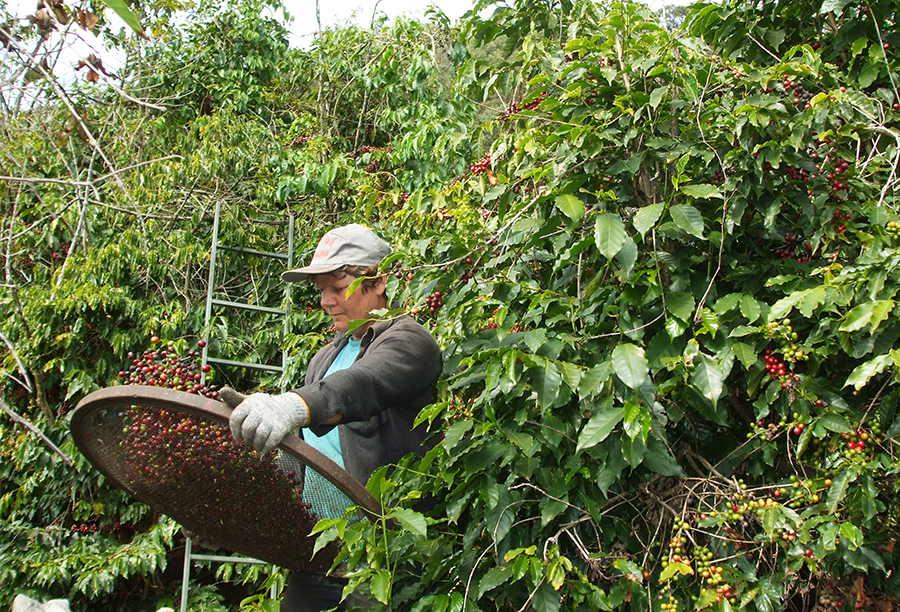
(330, 443)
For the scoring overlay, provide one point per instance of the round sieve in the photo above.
(174, 451)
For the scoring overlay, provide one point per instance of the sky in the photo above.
(334, 12)
(360, 12)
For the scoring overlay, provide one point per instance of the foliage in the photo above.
(666, 305)
(662, 267)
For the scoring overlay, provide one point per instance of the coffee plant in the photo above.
(662, 267)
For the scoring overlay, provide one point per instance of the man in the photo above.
(362, 392)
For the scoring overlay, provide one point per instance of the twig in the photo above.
(27, 384)
(18, 419)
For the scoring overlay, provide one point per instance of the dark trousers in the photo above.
(312, 593)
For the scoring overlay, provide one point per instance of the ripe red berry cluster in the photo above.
(166, 368)
(795, 92)
(517, 107)
(774, 366)
(191, 468)
(720, 176)
(797, 174)
(837, 219)
(434, 302)
(480, 167)
(842, 166)
(792, 249)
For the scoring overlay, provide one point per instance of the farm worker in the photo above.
(362, 392)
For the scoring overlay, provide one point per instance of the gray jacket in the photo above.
(379, 396)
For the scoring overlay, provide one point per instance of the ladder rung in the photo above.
(222, 559)
(253, 252)
(253, 307)
(245, 364)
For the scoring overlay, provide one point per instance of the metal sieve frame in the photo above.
(188, 404)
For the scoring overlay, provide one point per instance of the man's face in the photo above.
(341, 309)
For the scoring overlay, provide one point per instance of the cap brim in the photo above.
(301, 274)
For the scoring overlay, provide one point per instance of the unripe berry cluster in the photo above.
(892, 229)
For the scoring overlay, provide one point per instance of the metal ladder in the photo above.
(211, 301)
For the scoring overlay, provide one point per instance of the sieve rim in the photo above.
(189, 404)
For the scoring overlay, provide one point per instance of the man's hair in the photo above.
(370, 274)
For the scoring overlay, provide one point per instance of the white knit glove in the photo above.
(262, 420)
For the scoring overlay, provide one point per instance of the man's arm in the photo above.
(402, 363)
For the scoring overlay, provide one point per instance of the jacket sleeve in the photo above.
(401, 364)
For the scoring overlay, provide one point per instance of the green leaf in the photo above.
(708, 378)
(411, 520)
(749, 308)
(646, 218)
(600, 426)
(688, 218)
(630, 364)
(838, 489)
(570, 206)
(380, 586)
(657, 94)
(869, 73)
(785, 305)
(703, 190)
(546, 599)
(682, 569)
(834, 6)
(121, 9)
(861, 374)
(812, 299)
(870, 312)
(455, 433)
(745, 353)
(593, 380)
(495, 577)
(681, 304)
(659, 459)
(852, 535)
(835, 422)
(609, 234)
(629, 568)
(727, 302)
(547, 381)
(859, 45)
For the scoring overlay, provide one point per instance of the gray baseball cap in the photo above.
(350, 245)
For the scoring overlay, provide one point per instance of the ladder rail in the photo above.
(205, 358)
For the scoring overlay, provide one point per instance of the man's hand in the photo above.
(262, 420)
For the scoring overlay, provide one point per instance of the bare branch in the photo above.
(18, 419)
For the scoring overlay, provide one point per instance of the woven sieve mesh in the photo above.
(187, 466)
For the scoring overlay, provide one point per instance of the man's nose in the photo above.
(326, 299)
